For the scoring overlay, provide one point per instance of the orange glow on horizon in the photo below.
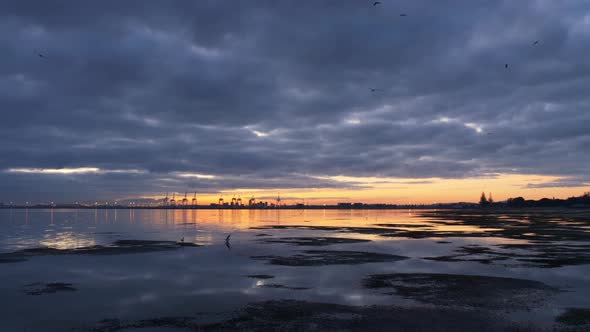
(405, 191)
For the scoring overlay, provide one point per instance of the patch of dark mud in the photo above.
(114, 325)
(575, 317)
(314, 241)
(404, 225)
(525, 255)
(119, 247)
(465, 290)
(550, 255)
(443, 242)
(260, 276)
(282, 287)
(292, 315)
(473, 253)
(262, 234)
(340, 229)
(327, 257)
(531, 224)
(49, 288)
(386, 230)
(425, 234)
(6, 258)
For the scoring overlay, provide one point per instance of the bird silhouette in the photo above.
(40, 55)
(536, 42)
(376, 3)
(227, 242)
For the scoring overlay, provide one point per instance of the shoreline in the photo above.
(306, 207)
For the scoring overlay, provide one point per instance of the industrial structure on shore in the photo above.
(235, 202)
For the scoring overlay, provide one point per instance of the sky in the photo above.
(116, 100)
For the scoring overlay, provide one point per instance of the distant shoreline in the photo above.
(484, 204)
(307, 207)
(206, 207)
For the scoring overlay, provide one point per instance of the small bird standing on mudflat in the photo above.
(227, 242)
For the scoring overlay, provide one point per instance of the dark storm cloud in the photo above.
(272, 94)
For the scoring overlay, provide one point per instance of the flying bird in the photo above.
(376, 3)
(536, 42)
(40, 55)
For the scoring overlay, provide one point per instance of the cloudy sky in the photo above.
(125, 99)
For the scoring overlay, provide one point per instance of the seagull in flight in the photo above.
(376, 3)
(536, 42)
(41, 55)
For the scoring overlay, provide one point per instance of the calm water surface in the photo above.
(210, 280)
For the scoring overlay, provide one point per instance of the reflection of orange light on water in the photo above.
(244, 219)
(66, 240)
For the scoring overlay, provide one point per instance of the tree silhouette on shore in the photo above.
(483, 201)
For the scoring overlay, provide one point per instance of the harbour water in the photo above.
(137, 265)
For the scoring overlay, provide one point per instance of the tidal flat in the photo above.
(295, 270)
